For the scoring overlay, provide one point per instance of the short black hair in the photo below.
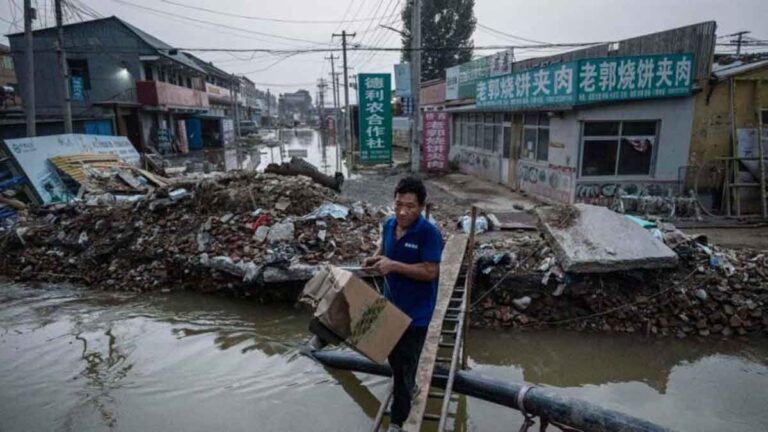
(414, 186)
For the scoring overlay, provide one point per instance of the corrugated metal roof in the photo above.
(736, 68)
(161, 47)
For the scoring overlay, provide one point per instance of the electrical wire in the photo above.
(199, 21)
(379, 39)
(510, 36)
(277, 20)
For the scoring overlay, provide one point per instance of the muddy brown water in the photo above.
(78, 360)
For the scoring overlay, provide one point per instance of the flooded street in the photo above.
(308, 144)
(72, 360)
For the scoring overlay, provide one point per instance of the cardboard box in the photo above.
(355, 312)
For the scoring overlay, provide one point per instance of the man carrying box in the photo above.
(409, 258)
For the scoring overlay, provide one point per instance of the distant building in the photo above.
(296, 107)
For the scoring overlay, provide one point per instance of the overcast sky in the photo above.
(552, 21)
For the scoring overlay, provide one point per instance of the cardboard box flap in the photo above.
(355, 312)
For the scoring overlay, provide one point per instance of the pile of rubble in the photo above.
(234, 231)
(712, 291)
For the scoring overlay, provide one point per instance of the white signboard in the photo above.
(403, 80)
(32, 155)
(501, 63)
(452, 83)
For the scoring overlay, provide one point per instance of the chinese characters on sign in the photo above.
(635, 77)
(434, 142)
(375, 135)
(590, 80)
(551, 85)
(77, 89)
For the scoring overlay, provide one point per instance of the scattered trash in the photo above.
(261, 221)
(328, 209)
(481, 224)
(522, 303)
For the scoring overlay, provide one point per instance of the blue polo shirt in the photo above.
(421, 243)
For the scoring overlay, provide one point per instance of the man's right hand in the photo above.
(371, 261)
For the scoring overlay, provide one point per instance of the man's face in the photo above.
(407, 209)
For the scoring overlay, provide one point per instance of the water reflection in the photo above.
(103, 373)
(78, 360)
(565, 359)
(315, 147)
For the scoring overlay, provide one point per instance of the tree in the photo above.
(444, 24)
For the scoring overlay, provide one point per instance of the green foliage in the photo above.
(444, 24)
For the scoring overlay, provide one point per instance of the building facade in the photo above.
(122, 81)
(585, 125)
(9, 86)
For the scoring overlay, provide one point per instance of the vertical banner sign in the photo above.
(77, 89)
(403, 80)
(374, 92)
(434, 143)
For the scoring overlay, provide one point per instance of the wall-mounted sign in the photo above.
(590, 80)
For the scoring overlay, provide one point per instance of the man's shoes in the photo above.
(394, 428)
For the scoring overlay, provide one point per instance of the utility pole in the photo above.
(335, 94)
(738, 41)
(235, 110)
(416, 85)
(29, 97)
(347, 113)
(321, 99)
(67, 105)
(269, 117)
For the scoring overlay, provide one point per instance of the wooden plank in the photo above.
(453, 255)
(157, 180)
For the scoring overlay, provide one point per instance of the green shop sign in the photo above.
(590, 80)
(375, 133)
(470, 73)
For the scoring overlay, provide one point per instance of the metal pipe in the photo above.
(538, 401)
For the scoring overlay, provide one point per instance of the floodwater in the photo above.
(78, 360)
(317, 148)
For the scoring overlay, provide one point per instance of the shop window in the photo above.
(490, 134)
(536, 137)
(618, 148)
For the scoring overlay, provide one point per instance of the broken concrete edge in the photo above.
(557, 240)
(255, 274)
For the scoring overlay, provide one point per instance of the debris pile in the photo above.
(233, 231)
(712, 291)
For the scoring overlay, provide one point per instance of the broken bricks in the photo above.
(246, 223)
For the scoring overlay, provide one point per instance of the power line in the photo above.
(509, 35)
(362, 59)
(364, 31)
(278, 20)
(199, 21)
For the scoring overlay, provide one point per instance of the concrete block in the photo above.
(598, 240)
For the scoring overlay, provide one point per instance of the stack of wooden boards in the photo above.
(104, 173)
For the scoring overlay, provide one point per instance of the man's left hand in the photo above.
(385, 266)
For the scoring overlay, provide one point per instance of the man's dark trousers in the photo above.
(404, 360)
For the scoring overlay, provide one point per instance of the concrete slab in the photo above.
(597, 240)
